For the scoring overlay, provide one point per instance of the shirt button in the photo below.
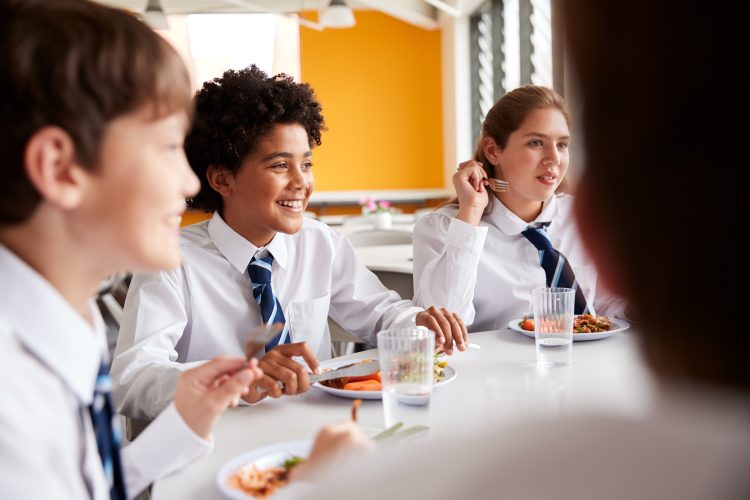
(469, 239)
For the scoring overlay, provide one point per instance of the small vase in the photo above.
(383, 220)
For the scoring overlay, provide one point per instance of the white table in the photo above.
(606, 375)
(388, 258)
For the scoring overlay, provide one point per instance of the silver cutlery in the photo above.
(499, 185)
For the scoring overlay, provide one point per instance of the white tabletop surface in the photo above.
(605, 375)
(391, 258)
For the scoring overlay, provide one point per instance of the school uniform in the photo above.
(179, 318)
(49, 360)
(486, 273)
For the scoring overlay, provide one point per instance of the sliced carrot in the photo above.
(369, 376)
(363, 385)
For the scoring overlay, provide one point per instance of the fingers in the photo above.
(456, 333)
(208, 372)
(474, 173)
(279, 365)
(425, 319)
(448, 329)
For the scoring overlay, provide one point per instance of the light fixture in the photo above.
(337, 15)
(154, 16)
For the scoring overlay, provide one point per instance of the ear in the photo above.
(491, 150)
(220, 179)
(588, 219)
(49, 159)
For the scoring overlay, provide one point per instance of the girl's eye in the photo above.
(535, 143)
(279, 165)
(308, 165)
(562, 146)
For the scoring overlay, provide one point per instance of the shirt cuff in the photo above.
(465, 236)
(165, 446)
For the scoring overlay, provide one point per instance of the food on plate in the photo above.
(589, 323)
(438, 369)
(262, 483)
(585, 323)
(527, 324)
(372, 382)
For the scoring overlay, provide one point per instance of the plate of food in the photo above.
(368, 386)
(585, 326)
(259, 473)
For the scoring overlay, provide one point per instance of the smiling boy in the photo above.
(258, 259)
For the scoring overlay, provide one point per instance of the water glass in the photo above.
(406, 358)
(553, 325)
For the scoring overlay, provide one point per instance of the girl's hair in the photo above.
(77, 65)
(507, 115)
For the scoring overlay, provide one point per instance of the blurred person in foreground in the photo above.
(653, 131)
(93, 179)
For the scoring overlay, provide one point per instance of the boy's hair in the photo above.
(76, 65)
(665, 172)
(233, 113)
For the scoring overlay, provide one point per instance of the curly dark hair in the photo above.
(234, 112)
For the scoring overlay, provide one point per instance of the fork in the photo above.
(259, 337)
(499, 185)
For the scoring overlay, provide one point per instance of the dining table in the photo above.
(606, 375)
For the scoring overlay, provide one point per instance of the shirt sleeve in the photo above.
(167, 445)
(446, 259)
(360, 303)
(145, 368)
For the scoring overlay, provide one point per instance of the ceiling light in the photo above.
(337, 15)
(154, 16)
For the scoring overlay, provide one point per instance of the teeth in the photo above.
(290, 203)
(547, 177)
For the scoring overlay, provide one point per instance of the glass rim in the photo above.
(552, 290)
(416, 332)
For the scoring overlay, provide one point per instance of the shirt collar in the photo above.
(49, 327)
(510, 224)
(238, 250)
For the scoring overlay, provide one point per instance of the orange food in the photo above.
(527, 324)
(369, 376)
(364, 385)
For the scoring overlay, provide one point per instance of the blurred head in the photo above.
(524, 140)
(658, 199)
(251, 147)
(94, 110)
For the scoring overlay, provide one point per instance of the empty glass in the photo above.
(553, 325)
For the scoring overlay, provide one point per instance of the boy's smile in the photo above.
(270, 191)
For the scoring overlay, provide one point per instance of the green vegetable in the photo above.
(289, 463)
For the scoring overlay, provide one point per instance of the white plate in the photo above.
(450, 375)
(618, 325)
(268, 456)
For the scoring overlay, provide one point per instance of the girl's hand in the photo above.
(470, 181)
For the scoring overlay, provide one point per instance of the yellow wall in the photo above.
(379, 84)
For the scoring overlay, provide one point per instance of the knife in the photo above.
(352, 370)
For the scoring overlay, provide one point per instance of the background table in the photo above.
(605, 375)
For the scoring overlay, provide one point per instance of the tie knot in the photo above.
(260, 270)
(538, 237)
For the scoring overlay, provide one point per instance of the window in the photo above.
(511, 45)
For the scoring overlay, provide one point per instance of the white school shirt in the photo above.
(49, 361)
(205, 308)
(486, 273)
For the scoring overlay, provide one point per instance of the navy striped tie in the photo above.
(270, 308)
(555, 265)
(107, 431)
